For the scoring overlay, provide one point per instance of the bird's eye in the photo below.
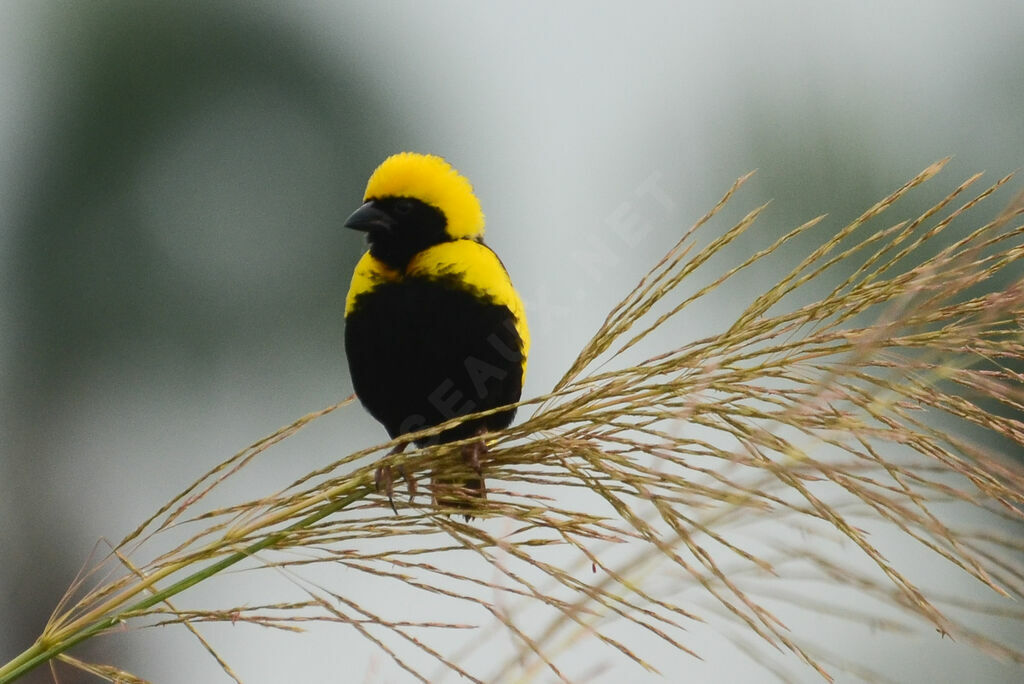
(403, 206)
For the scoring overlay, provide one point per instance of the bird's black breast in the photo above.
(422, 351)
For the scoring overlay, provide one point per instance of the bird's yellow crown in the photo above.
(430, 179)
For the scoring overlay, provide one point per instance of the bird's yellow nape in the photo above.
(430, 179)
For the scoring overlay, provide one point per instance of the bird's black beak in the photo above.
(369, 217)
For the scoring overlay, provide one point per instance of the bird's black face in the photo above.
(398, 228)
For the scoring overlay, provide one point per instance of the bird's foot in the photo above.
(471, 454)
(410, 483)
(384, 478)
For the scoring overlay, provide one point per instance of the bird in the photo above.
(434, 328)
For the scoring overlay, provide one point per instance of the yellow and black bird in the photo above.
(434, 328)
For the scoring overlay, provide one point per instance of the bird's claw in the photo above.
(471, 454)
(384, 480)
(410, 483)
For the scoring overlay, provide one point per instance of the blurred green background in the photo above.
(174, 176)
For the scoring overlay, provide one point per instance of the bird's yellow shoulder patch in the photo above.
(370, 272)
(476, 267)
(430, 179)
